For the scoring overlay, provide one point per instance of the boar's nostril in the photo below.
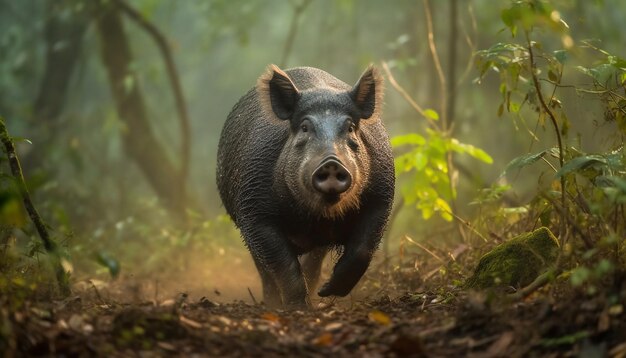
(321, 176)
(331, 178)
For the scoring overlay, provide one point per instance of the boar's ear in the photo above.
(367, 93)
(278, 92)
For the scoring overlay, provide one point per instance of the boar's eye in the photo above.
(304, 127)
(351, 126)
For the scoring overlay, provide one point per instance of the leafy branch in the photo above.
(555, 124)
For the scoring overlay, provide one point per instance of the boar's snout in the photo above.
(331, 177)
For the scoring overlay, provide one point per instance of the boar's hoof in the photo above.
(331, 177)
(332, 290)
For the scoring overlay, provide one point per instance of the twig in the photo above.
(252, 296)
(172, 74)
(468, 225)
(16, 171)
(95, 289)
(470, 45)
(583, 90)
(406, 96)
(539, 282)
(407, 238)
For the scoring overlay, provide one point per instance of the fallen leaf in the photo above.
(168, 303)
(324, 340)
(189, 322)
(62, 324)
(76, 322)
(616, 310)
(269, 316)
(333, 326)
(379, 317)
(225, 320)
(167, 346)
(604, 321)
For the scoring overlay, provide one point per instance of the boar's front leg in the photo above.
(271, 294)
(311, 264)
(278, 266)
(357, 254)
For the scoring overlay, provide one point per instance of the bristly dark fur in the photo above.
(264, 160)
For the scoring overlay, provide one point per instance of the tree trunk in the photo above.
(63, 36)
(139, 140)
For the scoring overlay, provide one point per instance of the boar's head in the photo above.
(324, 164)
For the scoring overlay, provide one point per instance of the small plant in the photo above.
(426, 160)
(587, 190)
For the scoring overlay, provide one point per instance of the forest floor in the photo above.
(445, 321)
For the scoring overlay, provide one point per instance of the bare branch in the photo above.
(437, 62)
(470, 40)
(452, 55)
(16, 170)
(298, 9)
(172, 74)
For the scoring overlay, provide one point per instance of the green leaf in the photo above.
(411, 138)
(617, 62)
(561, 56)
(109, 262)
(612, 182)
(579, 276)
(21, 139)
(480, 155)
(552, 76)
(566, 340)
(444, 209)
(522, 161)
(600, 73)
(431, 113)
(565, 124)
(580, 163)
(420, 161)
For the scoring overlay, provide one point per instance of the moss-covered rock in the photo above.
(516, 262)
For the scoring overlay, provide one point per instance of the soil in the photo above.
(554, 321)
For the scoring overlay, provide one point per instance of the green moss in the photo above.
(516, 262)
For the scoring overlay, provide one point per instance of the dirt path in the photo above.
(451, 324)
